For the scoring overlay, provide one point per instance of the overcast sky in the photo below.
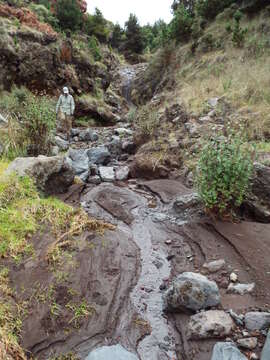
(146, 10)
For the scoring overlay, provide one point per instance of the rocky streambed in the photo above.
(166, 283)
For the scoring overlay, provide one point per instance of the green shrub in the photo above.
(208, 9)
(38, 121)
(69, 15)
(93, 46)
(239, 34)
(44, 14)
(223, 174)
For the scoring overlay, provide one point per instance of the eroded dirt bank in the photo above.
(120, 278)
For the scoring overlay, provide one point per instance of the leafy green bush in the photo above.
(223, 174)
(69, 15)
(93, 46)
(239, 34)
(181, 25)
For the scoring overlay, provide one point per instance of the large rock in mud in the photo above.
(51, 174)
(210, 324)
(191, 291)
(261, 182)
(115, 352)
(227, 351)
(256, 320)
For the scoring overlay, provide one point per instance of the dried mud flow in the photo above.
(121, 274)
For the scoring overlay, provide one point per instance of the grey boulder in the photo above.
(99, 155)
(191, 291)
(51, 174)
(79, 161)
(210, 324)
(87, 135)
(256, 320)
(122, 173)
(227, 351)
(115, 352)
(187, 201)
(107, 173)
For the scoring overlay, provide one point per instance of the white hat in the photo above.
(65, 90)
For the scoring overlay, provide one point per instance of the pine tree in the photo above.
(134, 36)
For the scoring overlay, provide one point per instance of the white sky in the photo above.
(147, 11)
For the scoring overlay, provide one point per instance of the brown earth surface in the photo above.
(119, 275)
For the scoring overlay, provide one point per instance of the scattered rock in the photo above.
(266, 349)
(191, 291)
(214, 266)
(256, 320)
(227, 351)
(187, 201)
(79, 161)
(193, 129)
(115, 146)
(122, 173)
(129, 146)
(248, 343)
(54, 150)
(210, 324)
(63, 145)
(213, 102)
(204, 119)
(94, 180)
(99, 155)
(3, 120)
(107, 173)
(233, 277)
(52, 174)
(87, 135)
(239, 319)
(115, 352)
(240, 289)
(123, 131)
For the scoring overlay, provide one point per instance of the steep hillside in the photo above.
(181, 80)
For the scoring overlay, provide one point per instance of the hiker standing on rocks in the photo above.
(64, 110)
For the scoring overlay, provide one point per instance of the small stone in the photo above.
(266, 349)
(62, 144)
(213, 102)
(94, 180)
(254, 356)
(214, 266)
(240, 289)
(168, 242)
(209, 324)
(233, 277)
(204, 119)
(55, 150)
(248, 343)
(123, 131)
